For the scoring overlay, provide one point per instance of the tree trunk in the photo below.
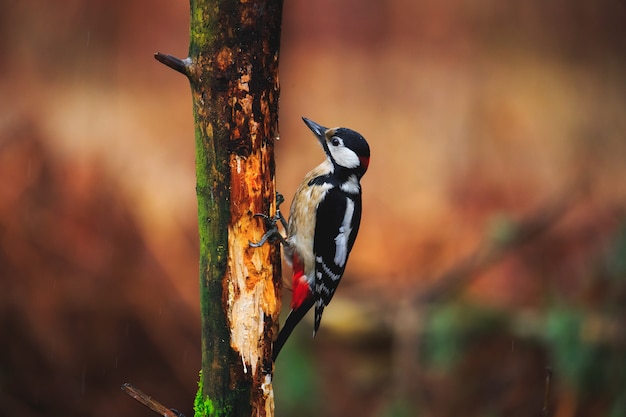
(233, 72)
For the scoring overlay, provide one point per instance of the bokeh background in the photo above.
(489, 277)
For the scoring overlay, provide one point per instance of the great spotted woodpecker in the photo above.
(323, 223)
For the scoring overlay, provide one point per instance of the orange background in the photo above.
(478, 114)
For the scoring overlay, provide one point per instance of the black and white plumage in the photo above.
(324, 220)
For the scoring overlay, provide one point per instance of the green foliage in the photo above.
(445, 336)
(586, 359)
(296, 379)
(578, 334)
(450, 327)
(583, 339)
(576, 360)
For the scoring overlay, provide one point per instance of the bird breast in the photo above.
(302, 219)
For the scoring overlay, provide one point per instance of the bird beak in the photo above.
(319, 130)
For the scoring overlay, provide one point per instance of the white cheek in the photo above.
(344, 156)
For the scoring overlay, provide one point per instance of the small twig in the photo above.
(146, 400)
(546, 399)
(177, 64)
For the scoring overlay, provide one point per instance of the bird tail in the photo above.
(293, 319)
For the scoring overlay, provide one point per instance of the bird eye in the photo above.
(335, 141)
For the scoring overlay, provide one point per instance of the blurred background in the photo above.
(489, 277)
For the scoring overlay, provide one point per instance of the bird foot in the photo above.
(271, 223)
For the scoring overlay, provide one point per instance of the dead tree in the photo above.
(233, 71)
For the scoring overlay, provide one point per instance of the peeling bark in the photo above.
(233, 72)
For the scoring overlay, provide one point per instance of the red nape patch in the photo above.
(300, 287)
(365, 161)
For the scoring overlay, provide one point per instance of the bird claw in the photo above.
(272, 232)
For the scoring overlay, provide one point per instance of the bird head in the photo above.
(344, 147)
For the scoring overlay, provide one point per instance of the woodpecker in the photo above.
(324, 219)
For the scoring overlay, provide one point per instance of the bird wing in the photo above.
(338, 219)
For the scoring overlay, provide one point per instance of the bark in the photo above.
(233, 71)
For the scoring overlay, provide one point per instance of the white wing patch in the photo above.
(341, 241)
(351, 186)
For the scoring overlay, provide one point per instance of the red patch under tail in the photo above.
(301, 290)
